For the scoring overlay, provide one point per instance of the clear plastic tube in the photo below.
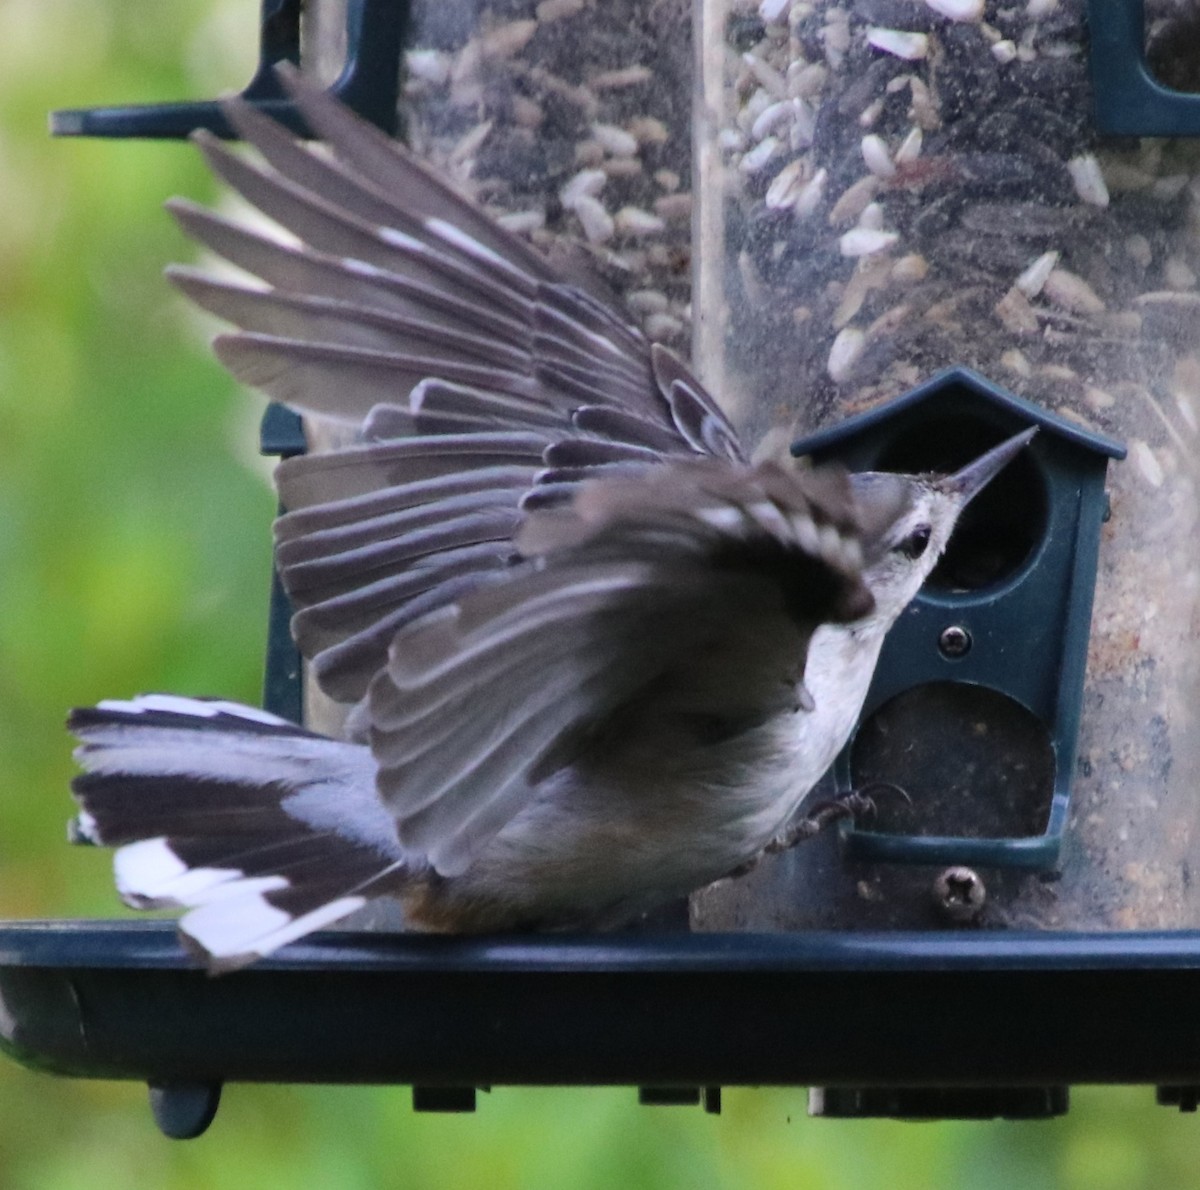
(892, 187)
(571, 121)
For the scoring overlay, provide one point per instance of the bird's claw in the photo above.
(858, 803)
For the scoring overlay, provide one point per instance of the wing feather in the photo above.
(298, 268)
(481, 380)
(621, 592)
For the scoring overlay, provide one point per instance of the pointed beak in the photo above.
(976, 475)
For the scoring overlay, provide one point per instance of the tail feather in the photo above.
(262, 830)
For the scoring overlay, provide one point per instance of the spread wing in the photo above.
(542, 518)
(478, 382)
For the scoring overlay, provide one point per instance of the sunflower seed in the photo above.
(771, 81)
(1072, 292)
(633, 221)
(587, 182)
(625, 76)
(1146, 462)
(771, 117)
(806, 80)
(1089, 179)
(649, 130)
(663, 326)
(615, 140)
(910, 46)
(430, 66)
(854, 200)
(811, 195)
(871, 217)
(865, 241)
(522, 222)
(1016, 314)
(504, 41)
(910, 268)
(674, 207)
(596, 222)
(845, 354)
(757, 158)
(786, 187)
(958, 10)
(876, 156)
(1034, 277)
(910, 147)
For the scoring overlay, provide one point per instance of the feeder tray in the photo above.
(972, 1025)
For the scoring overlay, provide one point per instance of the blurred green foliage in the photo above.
(134, 556)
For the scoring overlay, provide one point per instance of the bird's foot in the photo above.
(858, 803)
(744, 869)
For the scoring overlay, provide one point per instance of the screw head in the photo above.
(954, 642)
(959, 895)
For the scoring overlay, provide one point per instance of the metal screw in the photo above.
(958, 894)
(954, 641)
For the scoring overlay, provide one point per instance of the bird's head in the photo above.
(908, 519)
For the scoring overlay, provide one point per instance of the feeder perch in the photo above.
(974, 708)
(368, 82)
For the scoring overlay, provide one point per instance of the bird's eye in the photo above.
(913, 546)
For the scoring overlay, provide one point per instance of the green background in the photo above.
(134, 556)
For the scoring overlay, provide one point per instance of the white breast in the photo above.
(841, 662)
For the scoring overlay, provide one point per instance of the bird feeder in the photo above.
(909, 239)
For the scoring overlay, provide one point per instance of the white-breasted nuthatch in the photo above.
(596, 658)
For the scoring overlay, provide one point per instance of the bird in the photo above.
(593, 656)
